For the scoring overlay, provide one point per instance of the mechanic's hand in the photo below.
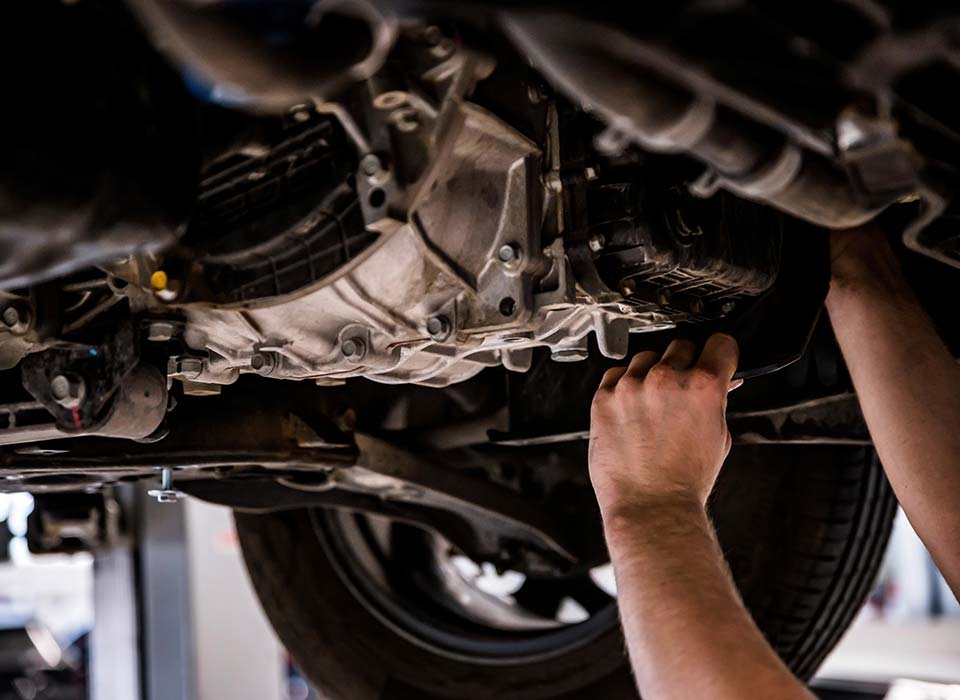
(658, 430)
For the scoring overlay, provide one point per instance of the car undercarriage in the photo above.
(358, 267)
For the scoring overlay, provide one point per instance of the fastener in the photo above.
(353, 348)
(166, 493)
(68, 390)
(439, 328)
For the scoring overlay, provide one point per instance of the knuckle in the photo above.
(601, 397)
(630, 384)
(610, 376)
(704, 375)
(662, 374)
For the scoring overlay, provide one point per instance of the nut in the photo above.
(597, 243)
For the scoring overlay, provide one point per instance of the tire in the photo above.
(804, 529)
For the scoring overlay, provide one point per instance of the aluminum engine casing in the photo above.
(464, 283)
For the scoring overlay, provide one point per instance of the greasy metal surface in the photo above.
(446, 261)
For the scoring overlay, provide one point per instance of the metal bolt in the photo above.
(16, 319)
(728, 306)
(160, 331)
(68, 391)
(596, 243)
(664, 297)
(628, 287)
(439, 328)
(569, 355)
(11, 316)
(696, 306)
(353, 348)
(263, 362)
(190, 366)
(508, 254)
(370, 165)
(166, 493)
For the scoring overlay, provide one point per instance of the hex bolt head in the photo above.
(370, 165)
(664, 297)
(161, 331)
(509, 254)
(353, 348)
(190, 367)
(628, 287)
(263, 362)
(68, 390)
(439, 328)
(597, 243)
(728, 306)
(696, 306)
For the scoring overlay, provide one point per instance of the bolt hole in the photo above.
(507, 306)
(376, 198)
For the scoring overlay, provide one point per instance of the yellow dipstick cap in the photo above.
(158, 280)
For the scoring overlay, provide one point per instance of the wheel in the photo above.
(374, 609)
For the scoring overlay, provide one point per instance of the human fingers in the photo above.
(641, 364)
(720, 356)
(611, 377)
(680, 354)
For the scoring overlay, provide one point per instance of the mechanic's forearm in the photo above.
(687, 631)
(909, 390)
